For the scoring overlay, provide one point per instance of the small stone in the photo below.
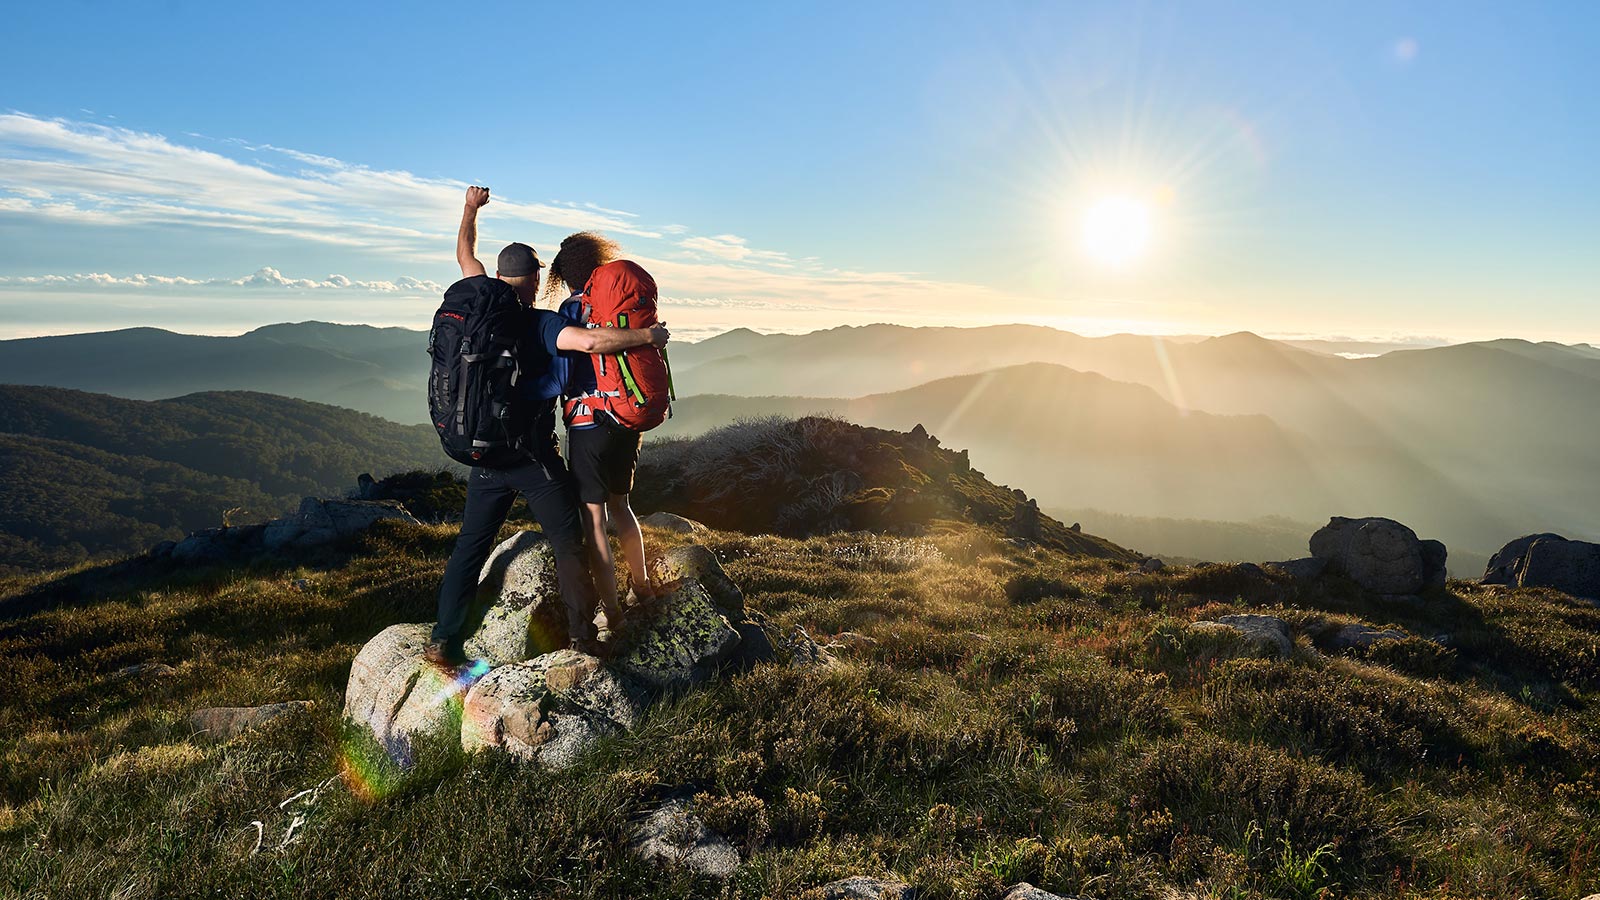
(1026, 891)
(145, 670)
(1360, 637)
(674, 523)
(804, 653)
(673, 835)
(863, 887)
(1304, 569)
(1152, 565)
(223, 722)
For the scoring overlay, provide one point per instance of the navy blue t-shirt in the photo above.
(539, 352)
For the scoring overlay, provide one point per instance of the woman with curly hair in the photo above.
(603, 454)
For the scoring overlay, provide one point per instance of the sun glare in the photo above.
(1115, 230)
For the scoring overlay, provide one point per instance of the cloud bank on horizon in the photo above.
(91, 185)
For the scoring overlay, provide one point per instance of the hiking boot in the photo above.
(637, 600)
(614, 617)
(444, 655)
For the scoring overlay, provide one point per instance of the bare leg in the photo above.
(604, 570)
(632, 541)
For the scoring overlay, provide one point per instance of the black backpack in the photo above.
(474, 402)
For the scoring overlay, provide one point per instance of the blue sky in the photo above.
(1354, 169)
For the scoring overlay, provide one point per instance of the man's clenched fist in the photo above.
(477, 196)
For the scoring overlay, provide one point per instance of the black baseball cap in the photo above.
(517, 260)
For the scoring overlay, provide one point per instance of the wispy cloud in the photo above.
(58, 171)
(98, 174)
(735, 249)
(265, 277)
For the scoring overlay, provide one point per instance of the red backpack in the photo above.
(635, 386)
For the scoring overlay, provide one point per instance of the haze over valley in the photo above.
(1474, 442)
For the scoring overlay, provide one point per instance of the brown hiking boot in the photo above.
(444, 655)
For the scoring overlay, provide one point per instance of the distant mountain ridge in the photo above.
(1476, 442)
(85, 475)
(375, 370)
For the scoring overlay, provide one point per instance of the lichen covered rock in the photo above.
(550, 710)
(518, 613)
(678, 641)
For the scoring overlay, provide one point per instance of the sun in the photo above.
(1115, 230)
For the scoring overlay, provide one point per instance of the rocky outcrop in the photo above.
(549, 710)
(220, 723)
(1548, 560)
(316, 523)
(1505, 566)
(674, 836)
(863, 887)
(1381, 555)
(673, 522)
(526, 695)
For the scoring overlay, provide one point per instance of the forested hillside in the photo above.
(85, 475)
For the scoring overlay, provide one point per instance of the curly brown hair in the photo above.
(579, 256)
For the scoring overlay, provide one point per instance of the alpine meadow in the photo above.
(1008, 451)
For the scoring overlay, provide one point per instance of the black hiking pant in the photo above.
(554, 503)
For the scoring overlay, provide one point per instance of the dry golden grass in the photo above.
(1007, 714)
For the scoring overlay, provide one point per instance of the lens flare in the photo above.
(370, 770)
(1116, 230)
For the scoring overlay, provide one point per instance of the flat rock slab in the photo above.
(673, 835)
(219, 723)
(1266, 635)
(1026, 891)
(1360, 637)
(550, 710)
(863, 887)
(145, 670)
